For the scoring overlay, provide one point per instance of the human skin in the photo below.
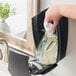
(54, 14)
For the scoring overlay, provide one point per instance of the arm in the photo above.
(56, 12)
(68, 11)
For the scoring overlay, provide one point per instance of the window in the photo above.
(17, 23)
(22, 21)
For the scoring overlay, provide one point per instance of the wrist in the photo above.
(62, 9)
(59, 7)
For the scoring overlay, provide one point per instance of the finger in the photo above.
(54, 27)
(47, 18)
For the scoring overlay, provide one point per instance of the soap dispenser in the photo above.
(56, 44)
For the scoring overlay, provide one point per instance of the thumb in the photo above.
(47, 20)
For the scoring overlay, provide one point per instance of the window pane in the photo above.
(17, 23)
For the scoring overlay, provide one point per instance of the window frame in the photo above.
(31, 11)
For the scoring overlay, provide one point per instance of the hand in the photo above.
(53, 15)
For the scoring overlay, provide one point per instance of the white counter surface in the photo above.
(4, 69)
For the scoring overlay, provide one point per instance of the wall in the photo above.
(66, 67)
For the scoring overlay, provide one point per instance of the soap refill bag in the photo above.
(50, 47)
